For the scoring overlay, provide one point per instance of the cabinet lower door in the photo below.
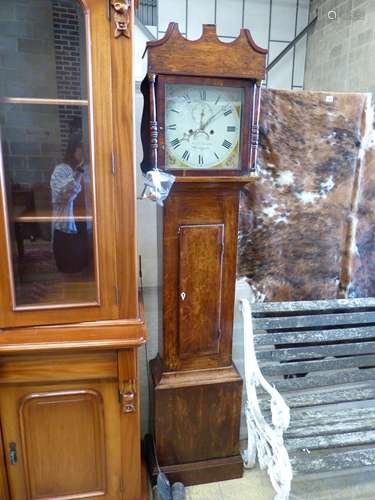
(62, 442)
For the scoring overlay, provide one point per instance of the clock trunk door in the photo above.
(200, 289)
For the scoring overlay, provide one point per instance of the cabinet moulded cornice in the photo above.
(89, 336)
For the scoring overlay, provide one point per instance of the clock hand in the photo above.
(187, 135)
(213, 117)
(201, 122)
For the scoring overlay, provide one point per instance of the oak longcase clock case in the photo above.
(200, 123)
(70, 316)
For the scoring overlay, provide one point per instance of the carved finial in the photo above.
(122, 17)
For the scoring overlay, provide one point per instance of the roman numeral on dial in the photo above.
(231, 129)
(187, 98)
(175, 143)
(228, 112)
(172, 126)
(227, 144)
(200, 160)
(186, 155)
(203, 94)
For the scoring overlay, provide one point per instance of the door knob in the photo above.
(183, 295)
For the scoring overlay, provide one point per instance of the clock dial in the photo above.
(202, 126)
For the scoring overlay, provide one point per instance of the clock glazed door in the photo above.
(203, 125)
(57, 245)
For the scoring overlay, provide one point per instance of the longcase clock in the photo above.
(200, 123)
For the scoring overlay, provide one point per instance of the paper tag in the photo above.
(330, 98)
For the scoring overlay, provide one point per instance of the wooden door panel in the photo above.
(200, 282)
(63, 433)
(4, 489)
(67, 440)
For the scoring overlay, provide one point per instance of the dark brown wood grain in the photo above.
(207, 56)
(195, 205)
(200, 289)
(196, 417)
(205, 471)
(196, 389)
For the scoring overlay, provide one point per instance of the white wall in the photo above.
(273, 24)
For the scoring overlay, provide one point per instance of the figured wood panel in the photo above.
(191, 426)
(124, 225)
(241, 58)
(130, 429)
(63, 367)
(101, 399)
(200, 278)
(4, 488)
(194, 204)
(63, 433)
(89, 336)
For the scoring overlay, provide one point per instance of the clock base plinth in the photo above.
(196, 418)
(190, 474)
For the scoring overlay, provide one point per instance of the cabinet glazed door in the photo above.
(62, 444)
(57, 192)
(200, 289)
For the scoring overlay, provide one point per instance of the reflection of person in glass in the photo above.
(70, 186)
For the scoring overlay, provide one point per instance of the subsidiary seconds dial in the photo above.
(202, 126)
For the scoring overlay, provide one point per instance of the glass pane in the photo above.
(42, 49)
(47, 178)
(203, 126)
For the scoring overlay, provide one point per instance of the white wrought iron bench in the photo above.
(320, 357)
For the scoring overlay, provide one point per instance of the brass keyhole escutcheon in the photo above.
(12, 453)
(183, 295)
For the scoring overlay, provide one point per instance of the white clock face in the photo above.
(202, 126)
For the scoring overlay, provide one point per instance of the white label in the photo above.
(330, 98)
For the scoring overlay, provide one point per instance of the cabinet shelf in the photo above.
(40, 215)
(58, 294)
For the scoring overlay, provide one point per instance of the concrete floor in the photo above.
(255, 485)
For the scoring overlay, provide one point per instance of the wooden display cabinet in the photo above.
(71, 319)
